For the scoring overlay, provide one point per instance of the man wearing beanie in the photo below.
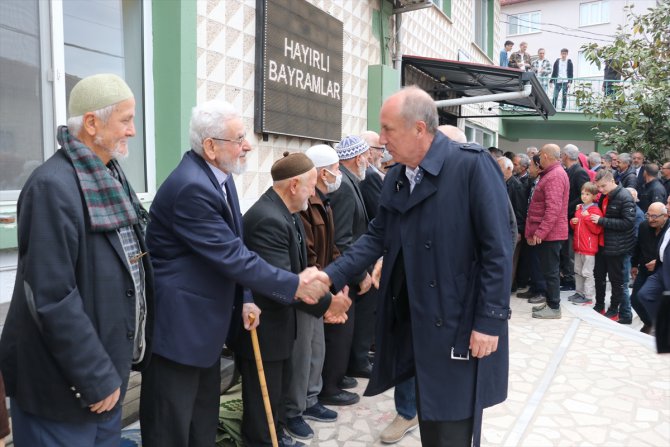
(81, 311)
(351, 221)
(273, 229)
(309, 348)
(204, 277)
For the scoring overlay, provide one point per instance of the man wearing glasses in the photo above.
(644, 260)
(203, 274)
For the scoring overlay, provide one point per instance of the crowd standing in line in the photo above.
(174, 285)
(611, 234)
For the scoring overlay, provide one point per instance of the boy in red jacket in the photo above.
(585, 243)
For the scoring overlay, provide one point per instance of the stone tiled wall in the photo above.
(226, 54)
(429, 32)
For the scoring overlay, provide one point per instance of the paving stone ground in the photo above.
(582, 380)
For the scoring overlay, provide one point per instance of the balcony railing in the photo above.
(555, 90)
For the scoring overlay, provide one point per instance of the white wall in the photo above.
(568, 34)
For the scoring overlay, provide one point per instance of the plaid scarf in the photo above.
(111, 203)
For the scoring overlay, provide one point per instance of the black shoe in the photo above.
(342, 398)
(568, 286)
(363, 373)
(285, 440)
(318, 412)
(628, 320)
(528, 294)
(298, 428)
(347, 383)
(646, 329)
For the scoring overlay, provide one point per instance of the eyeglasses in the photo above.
(237, 141)
(653, 216)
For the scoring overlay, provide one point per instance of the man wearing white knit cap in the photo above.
(351, 221)
(81, 312)
(309, 348)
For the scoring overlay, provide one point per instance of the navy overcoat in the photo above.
(454, 234)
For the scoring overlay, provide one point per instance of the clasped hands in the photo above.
(313, 285)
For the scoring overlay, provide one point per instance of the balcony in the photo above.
(597, 86)
(570, 124)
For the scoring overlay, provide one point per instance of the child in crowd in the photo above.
(585, 243)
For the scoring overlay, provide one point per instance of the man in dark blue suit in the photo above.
(203, 275)
(651, 293)
(442, 227)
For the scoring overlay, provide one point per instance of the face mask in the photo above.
(332, 187)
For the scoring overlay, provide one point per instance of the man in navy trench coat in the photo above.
(443, 229)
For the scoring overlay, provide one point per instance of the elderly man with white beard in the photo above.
(351, 221)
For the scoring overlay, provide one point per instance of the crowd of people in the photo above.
(343, 255)
(559, 74)
(585, 219)
(103, 286)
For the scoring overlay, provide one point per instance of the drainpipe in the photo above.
(397, 56)
(527, 89)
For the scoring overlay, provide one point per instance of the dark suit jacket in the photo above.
(202, 266)
(640, 179)
(270, 230)
(371, 188)
(651, 192)
(519, 200)
(350, 216)
(577, 176)
(84, 300)
(458, 261)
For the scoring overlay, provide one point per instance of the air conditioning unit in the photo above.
(401, 6)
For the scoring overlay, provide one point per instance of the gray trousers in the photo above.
(309, 351)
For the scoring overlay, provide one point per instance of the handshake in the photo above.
(313, 285)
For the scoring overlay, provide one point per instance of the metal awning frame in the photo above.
(520, 85)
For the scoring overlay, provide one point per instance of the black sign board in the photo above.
(298, 70)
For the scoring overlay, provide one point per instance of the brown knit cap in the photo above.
(290, 166)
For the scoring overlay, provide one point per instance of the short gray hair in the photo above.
(594, 158)
(208, 120)
(533, 149)
(524, 160)
(75, 123)
(624, 158)
(507, 163)
(571, 151)
(417, 105)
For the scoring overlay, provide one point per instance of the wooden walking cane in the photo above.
(261, 378)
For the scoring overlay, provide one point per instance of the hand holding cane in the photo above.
(261, 378)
